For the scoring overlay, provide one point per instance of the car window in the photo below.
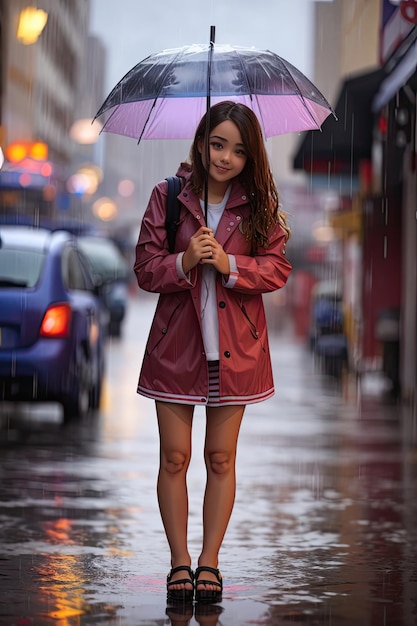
(85, 268)
(105, 259)
(72, 271)
(20, 268)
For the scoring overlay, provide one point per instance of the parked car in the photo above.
(110, 272)
(52, 339)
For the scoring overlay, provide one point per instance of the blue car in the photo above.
(52, 338)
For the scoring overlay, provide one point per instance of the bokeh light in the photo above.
(84, 131)
(105, 209)
(126, 187)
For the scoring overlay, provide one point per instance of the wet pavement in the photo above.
(324, 530)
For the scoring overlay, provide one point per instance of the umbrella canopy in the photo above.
(165, 95)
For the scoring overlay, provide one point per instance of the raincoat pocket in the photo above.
(252, 327)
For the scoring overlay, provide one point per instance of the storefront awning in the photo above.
(343, 143)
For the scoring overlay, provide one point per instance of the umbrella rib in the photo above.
(158, 91)
(251, 94)
(242, 66)
(297, 89)
(109, 118)
(118, 86)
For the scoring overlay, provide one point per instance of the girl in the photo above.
(208, 342)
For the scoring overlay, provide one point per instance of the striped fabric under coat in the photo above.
(214, 383)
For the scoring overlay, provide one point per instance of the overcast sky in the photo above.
(133, 29)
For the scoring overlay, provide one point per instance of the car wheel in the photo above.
(77, 403)
(96, 387)
(95, 394)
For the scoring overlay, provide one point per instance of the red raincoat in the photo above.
(174, 367)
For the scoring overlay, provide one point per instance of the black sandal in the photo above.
(180, 595)
(208, 595)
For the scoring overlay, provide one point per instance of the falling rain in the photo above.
(324, 529)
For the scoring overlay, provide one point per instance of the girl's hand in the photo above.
(199, 248)
(218, 258)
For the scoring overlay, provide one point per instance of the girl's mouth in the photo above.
(221, 169)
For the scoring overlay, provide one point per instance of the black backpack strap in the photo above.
(173, 210)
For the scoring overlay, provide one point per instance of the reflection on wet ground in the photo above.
(324, 529)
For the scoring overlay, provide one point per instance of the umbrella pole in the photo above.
(208, 105)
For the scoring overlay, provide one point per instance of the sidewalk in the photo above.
(324, 527)
(322, 530)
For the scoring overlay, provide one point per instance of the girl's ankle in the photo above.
(208, 561)
(185, 560)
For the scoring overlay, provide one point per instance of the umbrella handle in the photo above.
(210, 58)
(208, 105)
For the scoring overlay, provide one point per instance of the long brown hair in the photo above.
(256, 177)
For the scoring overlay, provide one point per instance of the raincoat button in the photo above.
(228, 229)
(198, 217)
(222, 304)
(238, 217)
(231, 223)
(227, 354)
(164, 331)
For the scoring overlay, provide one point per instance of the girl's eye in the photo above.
(217, 145)
(241, 152)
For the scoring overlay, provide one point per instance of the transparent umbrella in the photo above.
(165, 95)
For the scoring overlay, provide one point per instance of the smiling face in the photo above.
(227, 154)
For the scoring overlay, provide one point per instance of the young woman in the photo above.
(208, 342)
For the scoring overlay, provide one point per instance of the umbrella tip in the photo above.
(212, 34)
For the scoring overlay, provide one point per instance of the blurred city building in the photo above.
(40, 74)
(366, 59)
(43, 52)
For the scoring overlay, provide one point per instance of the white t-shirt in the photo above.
(209, 313)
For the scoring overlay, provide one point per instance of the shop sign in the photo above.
(398, 19)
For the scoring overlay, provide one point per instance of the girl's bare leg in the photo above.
(175, 422)
(223, 424)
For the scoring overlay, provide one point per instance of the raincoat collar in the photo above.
(238, 197)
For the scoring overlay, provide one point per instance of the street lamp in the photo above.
(31, 23)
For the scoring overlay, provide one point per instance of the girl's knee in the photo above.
(220, 462)
(175, 462)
